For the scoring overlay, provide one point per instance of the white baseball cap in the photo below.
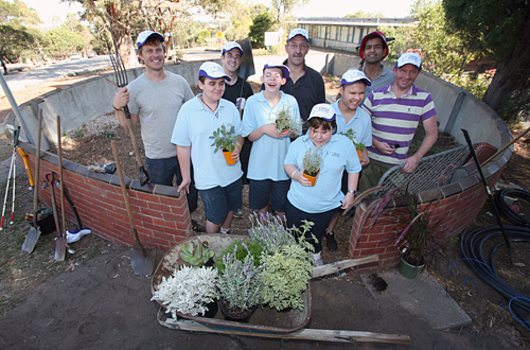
(409, 58)
(277, 64)
(298, 31)
(354, 75)
(143, 36)
(232, 45)
(324, 111)
(213, 71)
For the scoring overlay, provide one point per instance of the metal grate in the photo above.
(433, 172)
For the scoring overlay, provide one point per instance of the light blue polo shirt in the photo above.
(268, 153)
(339, 154)
(195, 124)
(361, 124)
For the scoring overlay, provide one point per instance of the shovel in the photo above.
(60, 243)
(60, 247)
(34, 232)
(142, 260)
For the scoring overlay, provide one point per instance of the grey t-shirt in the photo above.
(385, 78)
(158, 105)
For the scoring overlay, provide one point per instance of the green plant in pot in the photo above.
(285, 120)
(287, 272)
(240, 284)
(195, 254)
(312, 162)
(225, 140)
(188, 291)
(359, 146)
(269, 231)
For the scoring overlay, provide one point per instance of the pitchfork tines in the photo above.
(119, 69)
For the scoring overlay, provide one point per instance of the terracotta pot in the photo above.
(359, 153)
(312, 179)
(235, 315)
(228, 157)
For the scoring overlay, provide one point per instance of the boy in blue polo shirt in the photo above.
(268, 180)
(219, 184)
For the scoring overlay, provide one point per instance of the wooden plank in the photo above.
(328, 269)
(304, 334)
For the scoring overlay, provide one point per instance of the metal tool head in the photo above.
(120, 72)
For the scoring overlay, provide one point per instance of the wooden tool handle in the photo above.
(60, 155)
(37, 164)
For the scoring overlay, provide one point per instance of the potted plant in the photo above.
(269, 231)
(240, 285)
(195, 254)
(188, 291)
(312, 162)
(287, 272)
(359, 146)
(287, 121)
(224, 140)
(242, 250)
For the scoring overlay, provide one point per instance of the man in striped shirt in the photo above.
(396, 110)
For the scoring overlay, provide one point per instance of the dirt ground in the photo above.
(93, 300)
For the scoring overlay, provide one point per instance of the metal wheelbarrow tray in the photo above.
(265, 322)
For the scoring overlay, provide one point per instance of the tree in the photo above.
(64, 42)
(498, 31)
(362, 14)
(285, 8)
(260, 24)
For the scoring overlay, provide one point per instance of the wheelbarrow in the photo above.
(265, 322)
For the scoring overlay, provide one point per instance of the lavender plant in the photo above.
(269, 231)
(241, 282)
(188, 290)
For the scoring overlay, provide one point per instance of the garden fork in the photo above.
(121, 81)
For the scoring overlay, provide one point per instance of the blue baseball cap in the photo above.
(277, 64)
(232, 45)
(213, 71)
(143, 36)
(323, 111)
(409, 58)
(354, 75)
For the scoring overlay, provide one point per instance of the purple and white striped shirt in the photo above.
(394, 120)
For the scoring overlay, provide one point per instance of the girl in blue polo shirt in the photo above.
(320, 202)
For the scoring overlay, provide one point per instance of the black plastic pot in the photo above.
(229, 316)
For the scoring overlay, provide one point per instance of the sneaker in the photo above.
(238, 214)
(317, 260)
(197, 227)
(332, 243)
(225, 231)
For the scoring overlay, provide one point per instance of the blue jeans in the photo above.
(162, 172)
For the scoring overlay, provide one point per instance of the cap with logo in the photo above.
(375, 34)
(232, 45)
(277, 64)
(212, 71)
(409, 58)
(354, 75)
(323, 111)
(143, 36)
(298, 31)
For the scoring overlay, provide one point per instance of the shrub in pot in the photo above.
(312, 162)
(225, 140)
(286, 120)
(359, 146)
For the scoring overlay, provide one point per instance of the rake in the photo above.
(121, 80)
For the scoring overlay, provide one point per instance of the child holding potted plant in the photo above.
(219, 184)
(319, 203)
(268, 180)
(355, 123)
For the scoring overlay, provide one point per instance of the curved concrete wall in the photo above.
(163, 217)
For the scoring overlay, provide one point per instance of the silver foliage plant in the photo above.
(269, 231)
(188, 290)
(241, 282)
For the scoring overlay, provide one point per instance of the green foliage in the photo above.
(64, 42)
(202, 36)
(362, 14)
(351, 135)
(194, 253)
(269, 232)
(78, 133)
(260, 24)
(14, 39)
(312, 161)
(223, 139)
(241, 281)
(242, 250)
(287, 272)
(286, 120)
(108, 132)
(284, 8)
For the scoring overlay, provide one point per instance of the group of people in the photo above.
(379, 108)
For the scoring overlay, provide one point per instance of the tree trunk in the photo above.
(121, 35)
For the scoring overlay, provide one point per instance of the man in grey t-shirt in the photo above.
(154, 100)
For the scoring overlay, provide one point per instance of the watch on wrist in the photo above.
(354, 192)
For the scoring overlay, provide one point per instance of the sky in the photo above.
(47, 9)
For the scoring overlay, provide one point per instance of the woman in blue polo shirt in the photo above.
(320, 202)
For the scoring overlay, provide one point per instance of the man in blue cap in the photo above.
(154, 99)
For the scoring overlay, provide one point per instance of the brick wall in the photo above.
(161, 216)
